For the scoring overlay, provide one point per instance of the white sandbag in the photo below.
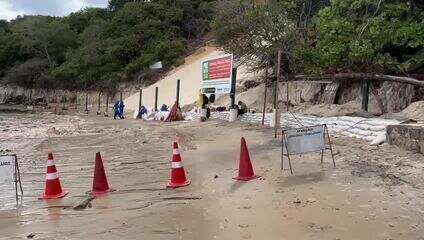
(162, 115)
(135, 114)
(380, 139)
(378, 128)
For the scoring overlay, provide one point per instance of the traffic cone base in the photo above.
(99, 193)
(61, 195)
(176, 185)
(245, 178)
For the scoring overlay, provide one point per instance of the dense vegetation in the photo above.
(97, 48)
(380, 36)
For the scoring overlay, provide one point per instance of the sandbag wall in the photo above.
(368, 129)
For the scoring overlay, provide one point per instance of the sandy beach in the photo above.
(375, 192)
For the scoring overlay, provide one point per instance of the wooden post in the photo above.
(156, 98)
(278, 72)
(264, 108)
(276, 94)
(76, 100)
(55, 101)
(365, 94)
(233, 88)
(178, 93)
(99, 103)
(32, 103)
(275, 110)
(287, 92)
(140, 99)
(107, 105)
(64, 99)
(86, 102)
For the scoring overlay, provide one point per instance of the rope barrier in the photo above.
(346, 129)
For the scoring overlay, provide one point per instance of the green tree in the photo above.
(9, 51)
(98, 48)
(4, 26)
(369, 36)
(254, 34)
(78, 21)
(138, 30)
(115, 5)
(86, 66)
(29, 74)
(45, 37)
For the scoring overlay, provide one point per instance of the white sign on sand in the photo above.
(305, 139)
(7, 169)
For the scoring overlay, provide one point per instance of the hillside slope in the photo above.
(190, 75)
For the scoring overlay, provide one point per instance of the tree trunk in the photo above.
(47, 55)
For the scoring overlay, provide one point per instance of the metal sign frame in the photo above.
(16, 177)
(327, 145)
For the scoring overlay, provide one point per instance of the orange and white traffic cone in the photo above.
(53, 189)
(178, 177)
(100, 183)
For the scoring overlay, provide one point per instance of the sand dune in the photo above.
(190, 76)
(189, 73)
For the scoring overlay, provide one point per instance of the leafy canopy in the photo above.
(383, 36)
(99, 48)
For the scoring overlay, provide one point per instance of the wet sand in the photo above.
(374, 193)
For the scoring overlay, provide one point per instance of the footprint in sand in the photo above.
(245, 207)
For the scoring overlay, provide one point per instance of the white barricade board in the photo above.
(7, 181)
(7, 169)
(304, 140)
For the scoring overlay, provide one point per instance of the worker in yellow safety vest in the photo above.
(200, 99)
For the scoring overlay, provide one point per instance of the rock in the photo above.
(53, 130)
(391, 225)
(311, 200)
(84, 204)
(361, 113)
(396, 96)
(216, 176)
(31, 235)
(409, 137)
(297, 201)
